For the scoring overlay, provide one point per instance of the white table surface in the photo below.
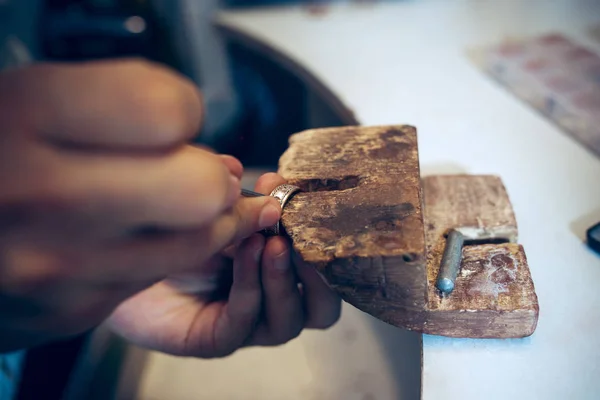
(405, 62)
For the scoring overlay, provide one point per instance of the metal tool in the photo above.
(250, 193)
(450, 264)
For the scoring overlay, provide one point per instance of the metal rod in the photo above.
(450, 264)
(250, 193)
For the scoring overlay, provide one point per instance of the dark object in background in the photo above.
(273, 107)
(48, 369)
(273, 99)
(79, 30)
(593, 238)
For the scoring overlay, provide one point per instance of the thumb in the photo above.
(248, 216)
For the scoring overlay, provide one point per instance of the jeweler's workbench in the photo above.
(413, 69)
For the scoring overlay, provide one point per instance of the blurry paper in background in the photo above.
(594, 32)
(557, 76)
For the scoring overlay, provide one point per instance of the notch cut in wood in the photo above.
(375, 231)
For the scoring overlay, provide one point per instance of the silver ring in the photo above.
(282, 193)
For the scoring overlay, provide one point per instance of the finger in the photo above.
(242, 311)
(282, 302)
(124, 104)
(248, 216)
(322, 306)
(153, 258)
(164, 319)
(267, 182)
(201, 279)
(186, 189)
(234, 165)
(229, 251)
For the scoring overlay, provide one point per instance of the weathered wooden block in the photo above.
(360, 221)
(494, 294)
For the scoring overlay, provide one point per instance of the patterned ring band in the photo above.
(282, 193)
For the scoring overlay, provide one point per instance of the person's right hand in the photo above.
(100, 197)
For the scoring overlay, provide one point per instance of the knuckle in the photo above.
(208, 208)
(225, 353)
(171, 104)
(214, 354)
(326, 321)
(269, 181)
(214, 351)
(277, 340)
(284, 336)
(27, 272)
(296, 331)
(58, 195)
(323, 324)
(214, 189)
(197, 186)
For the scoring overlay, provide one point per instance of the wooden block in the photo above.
(477, 205)
(494, 294)
(360, 221)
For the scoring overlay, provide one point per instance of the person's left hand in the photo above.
(251, 295)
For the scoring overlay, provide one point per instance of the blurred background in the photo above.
(252, 103)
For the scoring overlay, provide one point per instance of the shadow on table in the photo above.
(403, 351)
(443, 168)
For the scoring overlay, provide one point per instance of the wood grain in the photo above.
(361, 221)
(494, 294)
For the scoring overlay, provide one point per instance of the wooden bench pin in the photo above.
(379, 234)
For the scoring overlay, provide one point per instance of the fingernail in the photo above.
(282, 261)
(233, 164)
(269, 215)
(235, 190)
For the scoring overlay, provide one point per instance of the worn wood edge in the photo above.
(491, 318)
(379, 297)
(521, 312)
(508, 230)
(474, 323)
(503, 326)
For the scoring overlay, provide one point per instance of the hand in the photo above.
(100, 197)
(252, 299)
